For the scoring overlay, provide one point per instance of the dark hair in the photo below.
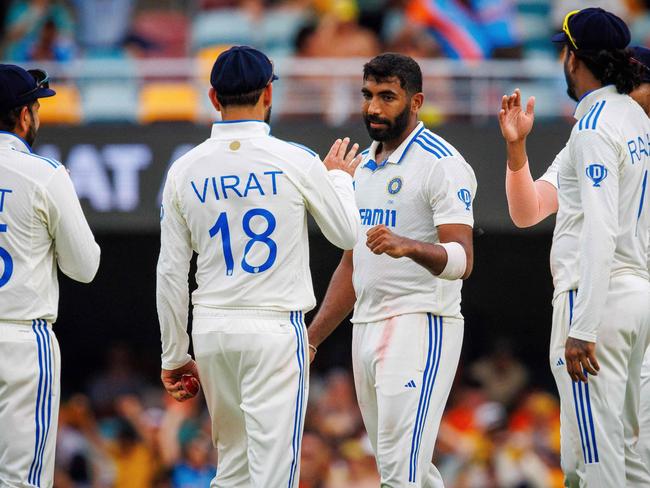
(250, 98)
(613, 67)
(9, 118)
(393, 65)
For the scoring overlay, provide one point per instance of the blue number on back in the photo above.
(8, 262)
(221, 225)
(263, 237)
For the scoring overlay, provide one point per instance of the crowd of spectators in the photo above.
(62, 30)
(123, 430)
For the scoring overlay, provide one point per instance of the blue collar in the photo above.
(397, 155)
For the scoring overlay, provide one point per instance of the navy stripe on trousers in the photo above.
(582, 404)
(430, 372)
(43, 411)
(298, 325)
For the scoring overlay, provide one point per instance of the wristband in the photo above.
(456, 261)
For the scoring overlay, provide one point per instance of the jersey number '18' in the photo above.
(221, 226)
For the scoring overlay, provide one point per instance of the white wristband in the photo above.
(456, 261)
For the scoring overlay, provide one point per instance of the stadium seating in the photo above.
(163, 102)
(64, 108)
(227, 26)
(107, 101)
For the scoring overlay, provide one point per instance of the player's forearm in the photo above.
(337, 304)
(517, 156)
(529, 202)
(434, 257)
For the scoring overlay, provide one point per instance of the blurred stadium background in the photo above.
(131, 77)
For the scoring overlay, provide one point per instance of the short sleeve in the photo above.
(451, 188)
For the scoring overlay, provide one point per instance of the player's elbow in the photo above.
(521, 221)
(84, 270)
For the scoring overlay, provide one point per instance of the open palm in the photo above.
(516, 123)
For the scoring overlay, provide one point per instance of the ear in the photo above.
(572, 61)
(417, 101)
(212, 94)
(267, 95)
(24, 120)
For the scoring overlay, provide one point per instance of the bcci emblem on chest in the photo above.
(395, 185)
(596, 173)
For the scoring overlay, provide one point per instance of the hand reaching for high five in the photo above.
(338, 159)
(516, 123)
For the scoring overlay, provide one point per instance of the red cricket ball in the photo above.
(190, 384)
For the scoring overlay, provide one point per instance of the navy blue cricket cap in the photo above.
(593, 29)
(19, 87)
(642, 55)
(241, 69)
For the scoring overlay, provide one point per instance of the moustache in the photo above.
(376, 120)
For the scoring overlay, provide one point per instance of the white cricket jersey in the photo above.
(550, 175)
(603, 222)
(41, 224)
(424, 183)
(240, 201)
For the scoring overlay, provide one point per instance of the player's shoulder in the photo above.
(38, 169)
(433, 147)
(292, 150)
(435, 151)
(607, 115)
(184, 162)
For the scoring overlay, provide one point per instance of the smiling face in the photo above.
(386, 108)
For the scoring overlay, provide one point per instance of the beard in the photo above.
(267, 115)
(30, 136)
(393, 129)
(570, 85)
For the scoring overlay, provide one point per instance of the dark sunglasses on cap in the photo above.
(42, 81)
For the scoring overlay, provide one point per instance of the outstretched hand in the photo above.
(515, 122)
(340, 158)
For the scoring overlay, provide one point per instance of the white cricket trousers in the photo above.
(599, 420)
(643, 445)
(403, 371)
(254, 370)
(30, 372)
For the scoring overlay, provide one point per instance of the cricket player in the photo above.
(642, 96)
(599, 416)
(41, 225)
(240, 201)
(414, 192)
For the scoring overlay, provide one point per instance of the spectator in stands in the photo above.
(501, 375)
(33, 23)
(105, 26)
(195, 469)
(315, 461)
(338, 34)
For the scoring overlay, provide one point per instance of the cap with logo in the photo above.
(642, 55)
(241, 69)
(593, 29)
(19, 87)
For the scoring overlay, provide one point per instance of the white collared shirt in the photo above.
(603, 222)
(424, 183)
(240, 201)
(41, 224)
